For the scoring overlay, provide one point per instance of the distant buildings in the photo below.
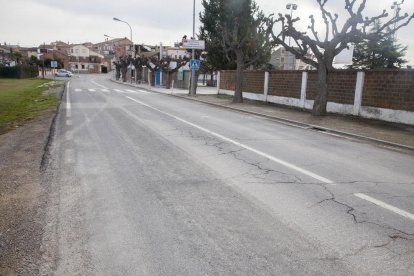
(284, 60)
(86, 57)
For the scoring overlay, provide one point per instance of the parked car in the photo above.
(63, 73)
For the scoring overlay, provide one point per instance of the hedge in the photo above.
(19, 72)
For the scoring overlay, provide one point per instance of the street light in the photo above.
(130, 29)
(290, 7)
(132, 43)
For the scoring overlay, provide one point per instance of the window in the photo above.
(83, 66)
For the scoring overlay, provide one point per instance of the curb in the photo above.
(293, 123)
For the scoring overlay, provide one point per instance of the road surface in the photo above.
(150, 184)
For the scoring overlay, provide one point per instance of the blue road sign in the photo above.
(195, 64)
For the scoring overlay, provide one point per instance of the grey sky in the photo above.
(32, 22)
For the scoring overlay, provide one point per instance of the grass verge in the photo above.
(22, 100)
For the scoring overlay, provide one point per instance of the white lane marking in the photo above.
(385, 205)
(270, 157)
(91, 90)
(78, 89)
(118, 90)
(135, 91)
(68, 106)
(105, 90)
(68, 122)
(100, 85)
(145, 92)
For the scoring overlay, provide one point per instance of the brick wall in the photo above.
(392, 89)
(285, 83)
(228, 80)
(253, 81)
(341, 86)
(389, 89)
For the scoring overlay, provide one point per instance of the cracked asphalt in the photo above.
(149, 184)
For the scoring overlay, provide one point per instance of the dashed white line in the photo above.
(270, 157)
(68, 122)
(139, 90)
(78, 89)
(100, 85)
(118, 90)
(68, 106)
(91, 90)
(385, 205)
(105, 90)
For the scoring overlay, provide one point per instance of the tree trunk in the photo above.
(319, 105)
(238, 93)
(124, 74)
(168, 84)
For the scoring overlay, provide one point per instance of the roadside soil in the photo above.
(23, 195)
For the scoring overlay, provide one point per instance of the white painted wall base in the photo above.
(389, 115)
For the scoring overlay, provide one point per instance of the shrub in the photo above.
(19, 72)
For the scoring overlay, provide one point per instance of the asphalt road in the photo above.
(150, 184)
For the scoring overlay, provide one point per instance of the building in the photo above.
(284, 60)
(84, 60)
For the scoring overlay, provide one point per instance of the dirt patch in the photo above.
(23, 196)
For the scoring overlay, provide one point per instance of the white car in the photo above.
(63, 73)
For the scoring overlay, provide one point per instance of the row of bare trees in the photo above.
(237, 31)
(166, 64)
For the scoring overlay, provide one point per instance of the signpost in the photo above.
(53, 64)
(194, 44)
(195, 64)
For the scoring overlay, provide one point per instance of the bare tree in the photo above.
(170, 65)
(326, 46)
(121, 66)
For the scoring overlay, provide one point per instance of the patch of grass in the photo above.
(21, 100)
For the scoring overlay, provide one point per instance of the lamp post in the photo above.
(290, 7)
(132, 43)
(130, 30)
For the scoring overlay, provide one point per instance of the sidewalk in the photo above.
(379, 132)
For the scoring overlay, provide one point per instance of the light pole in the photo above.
(130, 30)
(132, 43)
(290, 7)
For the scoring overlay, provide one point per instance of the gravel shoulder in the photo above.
(23, 195)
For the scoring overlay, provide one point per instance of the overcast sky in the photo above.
(32, 22)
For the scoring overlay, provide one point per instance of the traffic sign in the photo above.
(194, 44)
(53, 64)
(195, 64)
